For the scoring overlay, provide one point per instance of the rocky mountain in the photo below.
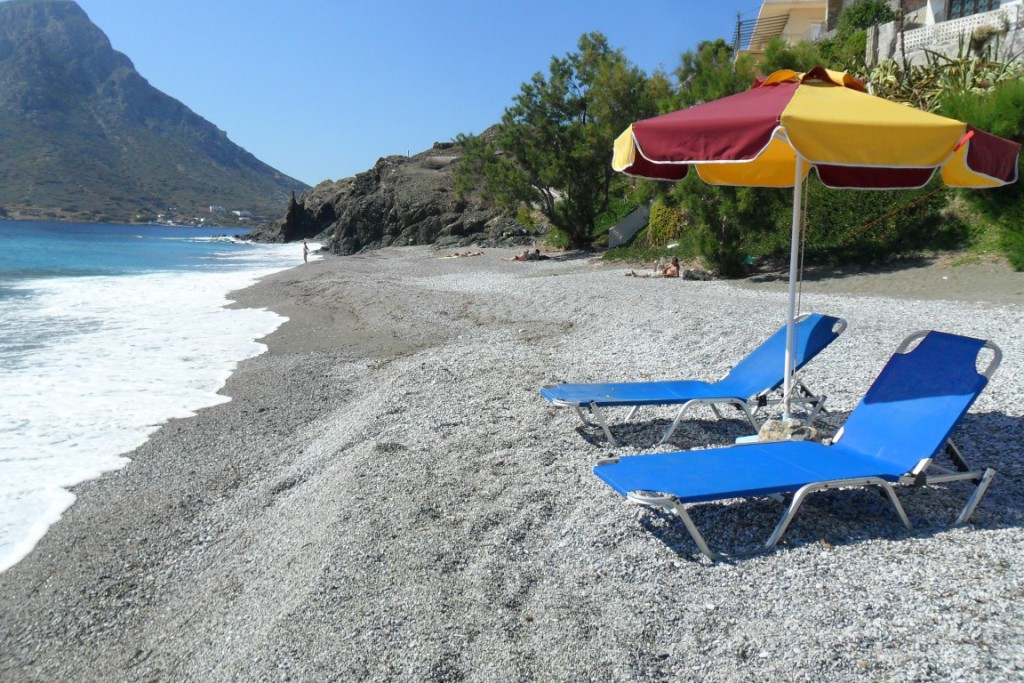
(83, 136)
(402, 200)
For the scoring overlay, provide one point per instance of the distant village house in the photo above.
(937, 25)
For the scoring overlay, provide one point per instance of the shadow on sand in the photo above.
(779, 272)
(698, 432)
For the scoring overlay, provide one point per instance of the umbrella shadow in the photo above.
(693, 433)
(779, 272)
(571, 256)
(848, 517)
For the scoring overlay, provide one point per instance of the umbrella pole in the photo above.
(794, 254)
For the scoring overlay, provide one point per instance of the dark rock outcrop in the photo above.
(400, 201)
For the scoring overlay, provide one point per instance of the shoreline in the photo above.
(386, 497)
(94, 365)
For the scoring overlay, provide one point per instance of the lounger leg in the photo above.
(798, 499)
(599, 415)
(583, 417)
(675, 423)
(672, 504)
(698, 538)
(632, 412)
(956, 456)
(891, 492)
(788, 515)
(819, 407)
(696, 535)
(750, 416)
(976, 496)
(818, 402)
(942, 475)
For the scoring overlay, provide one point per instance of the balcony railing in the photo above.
(950, 31)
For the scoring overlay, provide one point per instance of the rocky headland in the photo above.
(401, 201)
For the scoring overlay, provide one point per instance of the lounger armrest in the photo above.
(997, 358)
(837, 328)
(910, 339)
(655, 499)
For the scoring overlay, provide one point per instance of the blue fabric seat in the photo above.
(746, 386)
(891, 437)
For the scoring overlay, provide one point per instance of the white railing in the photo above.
(950, 31)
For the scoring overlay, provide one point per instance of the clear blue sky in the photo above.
(320, 89)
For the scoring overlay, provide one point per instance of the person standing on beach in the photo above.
(305, 252)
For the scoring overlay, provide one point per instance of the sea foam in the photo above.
(107, 361)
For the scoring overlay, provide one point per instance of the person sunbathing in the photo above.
(525, 256)
(463, 254)
(670, 270)
(528, 255)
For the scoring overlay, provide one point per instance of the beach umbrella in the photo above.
(788, 123)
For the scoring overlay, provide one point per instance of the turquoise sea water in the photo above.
(106, 332)
(35, 249)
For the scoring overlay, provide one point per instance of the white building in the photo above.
(944, 26)
(936, 25)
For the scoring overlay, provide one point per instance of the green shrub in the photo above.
(637, 252)
(1012, 244)
(1001, 112)
(855, 225)
(664, 224)
(525, 218)
(863, 14)
(723, 220)
(557, 239)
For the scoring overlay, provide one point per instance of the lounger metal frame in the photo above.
(814, 405)
(981, 478)
(921, 475)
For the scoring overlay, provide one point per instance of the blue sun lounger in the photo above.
(889, 439)
(747, 386)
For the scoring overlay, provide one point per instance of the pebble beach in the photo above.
(387, 497)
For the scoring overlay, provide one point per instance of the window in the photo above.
(965, 8)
